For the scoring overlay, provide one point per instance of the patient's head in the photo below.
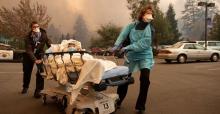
(71, 47)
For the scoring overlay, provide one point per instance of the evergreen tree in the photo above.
(107, 36)
(62, 37)
(135, 6)
(194, 18)
(191, 13)
(215, 31)
(67, 36)
(81, 32)
(173, 27)
(54, 33)
(160, 23)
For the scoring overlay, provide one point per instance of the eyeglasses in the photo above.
(35, 26)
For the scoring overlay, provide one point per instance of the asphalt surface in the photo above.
(192, 88)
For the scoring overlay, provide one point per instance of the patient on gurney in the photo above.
(68, 66)
(55, 48)
(60, 65)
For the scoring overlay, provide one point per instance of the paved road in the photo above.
(192, 88)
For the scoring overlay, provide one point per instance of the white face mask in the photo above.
(71, 49)
(36, 29)
(148, 18)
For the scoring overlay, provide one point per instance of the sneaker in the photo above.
(37, 94)
(24, 91)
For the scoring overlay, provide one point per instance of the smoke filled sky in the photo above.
(95, 12)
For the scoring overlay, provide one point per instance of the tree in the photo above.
(173, 27)
(15, 22)
(194, 18)
(107, 36)
(68, 36)
(62, 37)
(135, 6)
(191, 13)
(215, 31)
(160, 23)
(81, 32)
(54, 33)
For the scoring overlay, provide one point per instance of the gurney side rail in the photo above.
(62, 54)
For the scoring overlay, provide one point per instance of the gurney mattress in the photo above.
(114, 77)
(117, 71)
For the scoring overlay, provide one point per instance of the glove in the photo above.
(123, 50)
(113, 49)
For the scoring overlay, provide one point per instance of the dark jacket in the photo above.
(33, 51)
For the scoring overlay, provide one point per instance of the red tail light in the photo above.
(165, 52)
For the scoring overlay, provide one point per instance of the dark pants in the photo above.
(28, 65)
(144, 85)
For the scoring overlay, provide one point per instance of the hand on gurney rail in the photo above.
(118, 51)
(113, 49)
(123, 50)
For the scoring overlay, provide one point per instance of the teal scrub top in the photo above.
(139, 53)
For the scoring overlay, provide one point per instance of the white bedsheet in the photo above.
(92, 71)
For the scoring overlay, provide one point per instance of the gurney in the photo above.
(89, 98)
(114, 77)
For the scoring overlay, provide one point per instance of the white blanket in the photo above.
(59, 66)
(92, 71)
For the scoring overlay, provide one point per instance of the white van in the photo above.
(210, 44)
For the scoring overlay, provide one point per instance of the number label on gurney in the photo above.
(105, 106)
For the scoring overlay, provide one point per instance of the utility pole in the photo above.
(206, 4)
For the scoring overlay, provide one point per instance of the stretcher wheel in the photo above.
(84, 111)
(64, 102)
(44, 99)
(116, 106)
(131, 80)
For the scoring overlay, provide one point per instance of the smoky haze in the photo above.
(95, 13)
(65, 14)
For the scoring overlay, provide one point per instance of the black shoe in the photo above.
(37, 94)
(118, 107)
(118, 104)
(24, 91)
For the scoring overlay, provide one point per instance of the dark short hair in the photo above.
(144, 10)
(32, 23)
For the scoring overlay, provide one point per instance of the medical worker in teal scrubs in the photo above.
(139, 54)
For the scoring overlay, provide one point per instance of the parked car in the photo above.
(210, 44)
(184, 51)
(7, 53)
